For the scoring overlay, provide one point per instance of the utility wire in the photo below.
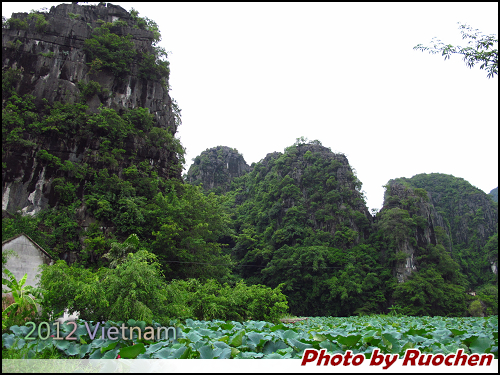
(239, 265)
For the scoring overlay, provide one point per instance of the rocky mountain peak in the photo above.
(216, 167)
(84, 88)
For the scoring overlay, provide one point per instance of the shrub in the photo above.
(113, 51)
(130, 291)
(17, 24)
(48, 54)
(152, 67)
(210, 300)
(89, 89)
(140, 118)
(15, 45)
(65, 190)
(23, 303)
(41, 23)
(475, 308)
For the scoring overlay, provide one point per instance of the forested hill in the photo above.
(91, 171)
(471, 217)
(494, 194)
(84, 89)
(88, 140)
(301, 212)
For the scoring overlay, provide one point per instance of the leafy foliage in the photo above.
(260, 339)
(481, 49)
(427, 293)
(41, 23)
(26, 299)
(113, 51)
(209, 300)
(16, 24)
(471, 217)
(132, 289)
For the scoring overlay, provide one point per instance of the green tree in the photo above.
(481, 49)
(26, 299)
(119, 251)
(475, 308)
(427, 293)
(132, 290)
(190, 225)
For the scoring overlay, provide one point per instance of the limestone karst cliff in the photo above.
(216, 167)
(314, 179)
(472, 215)
(441, 209)
(307, 182)
(410, 222)
(494, 194)
(84, 88)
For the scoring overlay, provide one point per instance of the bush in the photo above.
(41, 23)
(140, 118)
(65, 190)
(130, 291)
(475, 309)
(152, 67)
(113, 51)
(209, 300)
(89, 89)
(488, 295)
(17, 24)
(21, 304)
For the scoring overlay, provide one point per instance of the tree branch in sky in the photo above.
(481, 49)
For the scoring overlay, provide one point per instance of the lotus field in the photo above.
(259, 339)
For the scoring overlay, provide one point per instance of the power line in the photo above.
(240, 265)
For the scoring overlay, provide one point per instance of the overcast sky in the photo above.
(256, 76)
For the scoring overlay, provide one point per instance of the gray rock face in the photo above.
(461, 216)
(216, 167)
(51, 62)
(465, 209)
(55, 77)
(422, 236)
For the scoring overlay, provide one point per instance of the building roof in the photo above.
(28, 237)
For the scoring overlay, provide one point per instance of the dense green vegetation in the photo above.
(307, 230)
(436, 287)
(469, 214)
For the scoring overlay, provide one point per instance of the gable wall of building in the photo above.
(27, 258)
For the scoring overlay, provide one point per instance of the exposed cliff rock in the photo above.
(55, 76)
(410, 220)
(216, 167)
(451, 212)
(45, 55)
(471, 215)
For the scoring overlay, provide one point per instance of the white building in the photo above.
(27, 257)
